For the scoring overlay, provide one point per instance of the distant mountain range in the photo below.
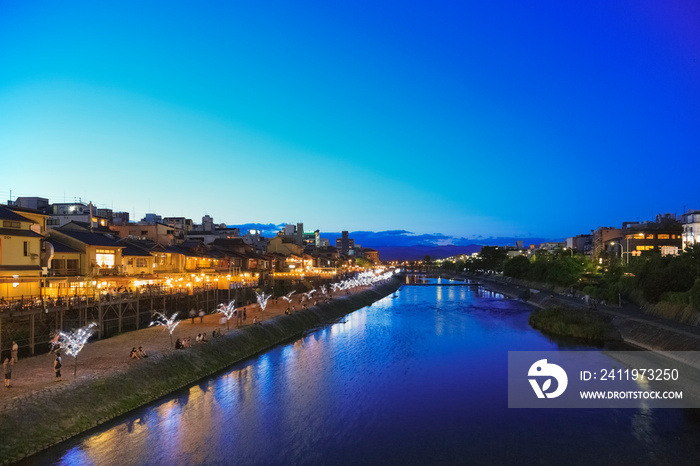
(405, 245)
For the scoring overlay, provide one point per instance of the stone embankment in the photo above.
(42, 418)
(634, 326)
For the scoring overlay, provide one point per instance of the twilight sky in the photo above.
(462, 118)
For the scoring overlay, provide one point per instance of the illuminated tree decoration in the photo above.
(73, 342)
(227, 310)
(262, 299)
(288, 298)
(307, 296)
(170, 322)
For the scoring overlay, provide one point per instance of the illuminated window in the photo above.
(650, 236)
(639, 236)
(666, 236)
(644, 248)
(105, 258)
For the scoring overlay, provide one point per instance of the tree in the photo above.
(517, 267)
(74, 341)
(493, 258)
(362, 262)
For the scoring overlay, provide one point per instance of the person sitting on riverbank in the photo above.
(134, 354)
(142, 354)
(204, 338)
(178, 344)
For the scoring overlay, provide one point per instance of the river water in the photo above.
(419, 377)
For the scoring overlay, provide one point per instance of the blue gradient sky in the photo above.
(460, 118)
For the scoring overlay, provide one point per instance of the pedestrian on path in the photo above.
(7, 367)
(57, 366)
(15, 348)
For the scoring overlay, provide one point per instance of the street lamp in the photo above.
(622, 251)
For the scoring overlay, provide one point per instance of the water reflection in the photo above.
(416, 379)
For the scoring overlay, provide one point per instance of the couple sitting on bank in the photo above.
(138, 353)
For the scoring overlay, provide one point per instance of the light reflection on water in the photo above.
(416, 379)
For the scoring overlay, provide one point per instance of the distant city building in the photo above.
(207, 223)
(552, 246)
(182, 223)
(294, 232)
(345, 244)
(371, 255)
(582, 244)
(106, 213)
(151, 219)
(120, 218)
(36, 203)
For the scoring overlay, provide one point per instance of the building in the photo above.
(345, 244)
(664, 235)
(182, 223)
(285, 245)
(691, 228)
(371, 255)
(293, 232)
(20, 252)
(137, 260)
(312, 238)
(35, 203)
(581, 244)
(159, 232)
(63, 213)
(601, 238)
(120, 218)
(98, 253)
(552, 246)
(151, 219)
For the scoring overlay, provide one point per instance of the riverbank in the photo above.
(44, 417)
(633, 325)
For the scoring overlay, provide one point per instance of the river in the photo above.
(416, 378)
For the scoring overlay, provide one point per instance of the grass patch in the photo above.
(570, 323)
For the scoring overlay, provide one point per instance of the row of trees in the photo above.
(649, 278)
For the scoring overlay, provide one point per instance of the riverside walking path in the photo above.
(33, 375)
(635, 326)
